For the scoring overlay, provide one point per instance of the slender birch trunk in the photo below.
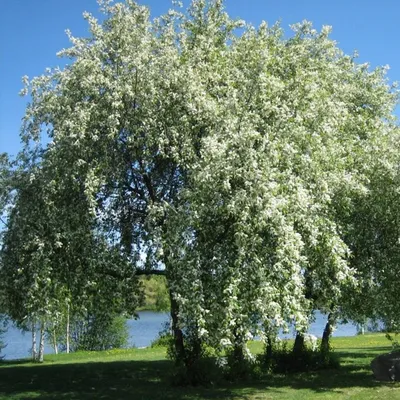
(41, 343)
(67, 333)
(55, 340)
(34, 350)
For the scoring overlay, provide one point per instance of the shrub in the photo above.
(283, 360)
(164, 338)
(99, 332)
(394, 341)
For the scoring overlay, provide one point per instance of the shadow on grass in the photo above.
(354, 372)
(98, 380)
(150, 380)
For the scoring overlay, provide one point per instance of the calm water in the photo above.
(143, 331)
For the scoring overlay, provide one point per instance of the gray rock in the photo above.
(386, 367)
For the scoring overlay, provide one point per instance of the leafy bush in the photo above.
(394, 341)
(164, 338)
(282, 360)
(99, 332)
(244, 370)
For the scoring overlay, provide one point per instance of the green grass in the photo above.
(144, 374)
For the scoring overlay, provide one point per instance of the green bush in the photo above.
(283, 360)
(394, 340)
(99, 332)
(164, 338)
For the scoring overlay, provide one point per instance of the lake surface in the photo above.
(143, 331)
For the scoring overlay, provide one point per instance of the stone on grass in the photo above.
(386, 367)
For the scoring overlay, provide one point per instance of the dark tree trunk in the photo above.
(238, 353)
(327, 333)
(271, 337)
(298, 346)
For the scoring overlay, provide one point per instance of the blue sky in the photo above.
(32, 32)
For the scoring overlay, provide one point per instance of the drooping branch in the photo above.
(146, 272)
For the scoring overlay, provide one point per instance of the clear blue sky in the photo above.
(32, 32)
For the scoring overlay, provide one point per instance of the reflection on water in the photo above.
(144, 330)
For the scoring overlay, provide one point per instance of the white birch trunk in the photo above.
(55, 340)
(34, 350)
(41, 344)
(67, 339)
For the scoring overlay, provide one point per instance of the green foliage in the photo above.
(241, 369)
(394, 340)
(156, 295)
(164, 340)
(165, 337)
(283, 360)
(99, 332)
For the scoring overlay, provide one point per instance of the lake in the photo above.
(143, 331)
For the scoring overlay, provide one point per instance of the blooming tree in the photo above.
(233, 158)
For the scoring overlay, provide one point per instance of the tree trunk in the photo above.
(238, 353)
(54, 336)
(34, 350)
(176, 331)
(298, 346)
(268, 350)
(271, 337)
(41, 343)
(327, 333)
(67, 332)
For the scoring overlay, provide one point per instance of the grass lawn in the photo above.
(144, 374)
